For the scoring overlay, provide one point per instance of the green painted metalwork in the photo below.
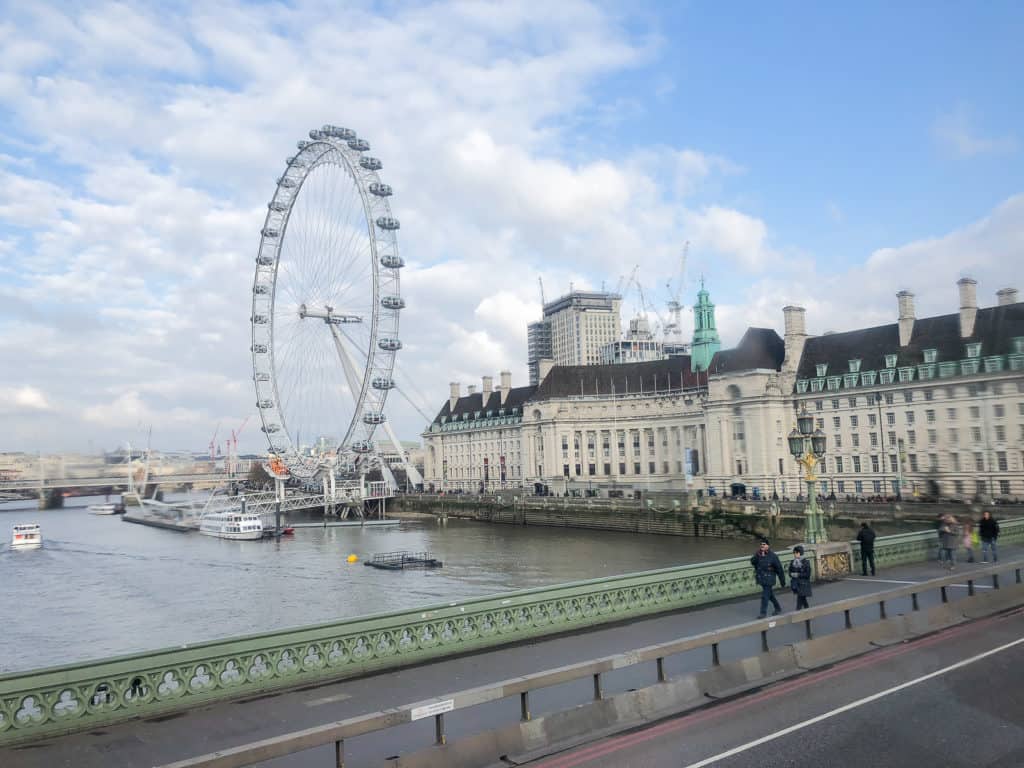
(87, 695)
(76, 697)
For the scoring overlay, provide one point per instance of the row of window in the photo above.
(998, 435)
(958, 487)
(853, 464)
(931, 355)
(569, 470)
(906, 374)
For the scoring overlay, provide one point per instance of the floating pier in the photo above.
(399, 561)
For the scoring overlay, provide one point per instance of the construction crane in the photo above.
(625, 282)
(643, 310)
(543, 301)
(233, 445)
(213, 443)
(674, 328)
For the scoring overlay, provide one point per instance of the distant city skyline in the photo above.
(826, 156)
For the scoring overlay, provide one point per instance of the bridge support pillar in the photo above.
(833, 560)
(52, 498)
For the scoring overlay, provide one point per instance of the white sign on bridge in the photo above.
(429, 710)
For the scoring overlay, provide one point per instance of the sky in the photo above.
(820, 154)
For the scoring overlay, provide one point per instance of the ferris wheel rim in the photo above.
(338, 147)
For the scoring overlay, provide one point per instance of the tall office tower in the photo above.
(573, 329)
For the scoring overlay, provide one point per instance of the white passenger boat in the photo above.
(231, 525)
(105, 509)
(26, 536)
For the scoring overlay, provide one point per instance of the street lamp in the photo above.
(807, 445)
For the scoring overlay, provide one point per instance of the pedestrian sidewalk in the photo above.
(168, 738)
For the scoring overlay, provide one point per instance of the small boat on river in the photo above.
(231, 525)
(108, 508)
(26, 536)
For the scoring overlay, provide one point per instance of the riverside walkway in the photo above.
(163, 739)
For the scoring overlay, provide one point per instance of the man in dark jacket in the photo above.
(988, 532)
(766, 568)
(866, 537)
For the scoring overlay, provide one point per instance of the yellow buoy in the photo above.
(353, 558)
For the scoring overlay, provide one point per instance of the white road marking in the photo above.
(852, 705)
(894, 581)
(328, 699)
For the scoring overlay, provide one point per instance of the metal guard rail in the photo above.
(337, 732)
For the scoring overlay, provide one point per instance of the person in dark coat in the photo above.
(866, 537)
(950, 535)
(800, 577)
(767, 567)
(988, 532)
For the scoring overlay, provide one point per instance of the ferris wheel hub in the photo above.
(329, 315)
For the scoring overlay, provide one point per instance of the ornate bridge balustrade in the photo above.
(82, 696)
(915, 547)
(87, 695)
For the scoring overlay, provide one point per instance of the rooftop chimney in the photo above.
(906, 305)
(506, 385)
(487, 385)
(968, 305)
(796, 335)
(471, 389)
(544, 366)
(453, 395)
(1006, 296)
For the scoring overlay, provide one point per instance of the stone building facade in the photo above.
(929, 406)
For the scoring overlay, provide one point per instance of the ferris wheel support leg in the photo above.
(355, 381)
(410, 471)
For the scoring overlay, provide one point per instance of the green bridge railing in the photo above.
(81, 696)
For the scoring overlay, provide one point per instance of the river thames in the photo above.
(100, 587)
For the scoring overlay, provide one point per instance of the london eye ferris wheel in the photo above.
(325, 303)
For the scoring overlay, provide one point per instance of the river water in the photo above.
(100, 587)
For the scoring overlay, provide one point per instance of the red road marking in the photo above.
(618, 743)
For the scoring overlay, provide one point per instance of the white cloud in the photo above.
(734, 234)
(27, 397)
(957, 133)
(865, 295)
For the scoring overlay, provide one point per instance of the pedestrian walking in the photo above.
(800, 577)
(949, 536)
(988, 530)
(767, 567)
(968, 533)
(866, 537)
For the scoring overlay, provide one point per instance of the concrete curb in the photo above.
(522, 742)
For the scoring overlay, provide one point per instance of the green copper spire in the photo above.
(705, 335)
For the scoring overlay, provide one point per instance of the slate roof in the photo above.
(994, 327)
(622, 378)
(476, 402)
(759, 348)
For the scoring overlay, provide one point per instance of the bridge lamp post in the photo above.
(807, 446)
